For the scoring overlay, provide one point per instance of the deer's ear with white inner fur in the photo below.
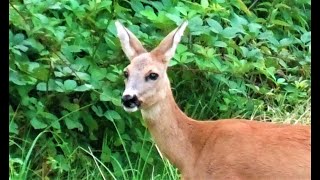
(130, 44)
(166, 49)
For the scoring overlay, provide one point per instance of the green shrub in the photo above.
(249, 59)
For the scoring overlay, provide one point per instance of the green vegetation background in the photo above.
(238, 58)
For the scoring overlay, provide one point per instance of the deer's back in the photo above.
(243, 149)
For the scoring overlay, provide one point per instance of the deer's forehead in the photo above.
(144, 63)
(140, 64)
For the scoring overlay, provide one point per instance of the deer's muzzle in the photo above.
(129, 101)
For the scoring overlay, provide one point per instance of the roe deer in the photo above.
(220, 149)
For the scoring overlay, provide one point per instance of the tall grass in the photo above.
(19, 168)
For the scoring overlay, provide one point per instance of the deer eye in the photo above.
(152, 76)
(126, 74)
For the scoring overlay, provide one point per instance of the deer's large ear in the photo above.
(166, 49)
(130, 44)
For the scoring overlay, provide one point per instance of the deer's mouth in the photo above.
(130, 103)
(134, 109)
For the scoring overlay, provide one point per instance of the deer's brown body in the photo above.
(221, 149)
(229, 148)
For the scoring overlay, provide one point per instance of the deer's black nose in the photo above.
(130, 101)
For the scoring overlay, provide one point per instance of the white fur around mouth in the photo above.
(130, 109)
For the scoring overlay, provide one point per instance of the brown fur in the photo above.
(221, 149)
(230, 148)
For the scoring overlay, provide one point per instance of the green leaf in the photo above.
(72, 123)
(149, 13)
(13, 128)
(254, 53)
(175, 18)
(230, 32)
(286, 41)
(243, 7)
(265, 35)
(55, 124)
(265, 50)
(283, 64)
(181, 49)
(204, 3)
(82, 76)
(136, 5)
(110, 42)
(112, 115)
(106, 153)
(281, 5)
(238, 21)
(157, 5)
(56, 6)
(195, 25)
(106, 95)
(244, 50)
(44, 19)
(63, 163)
(21, 47)
(214, 26)
(98, 74)
(254, 27)
(112, 77)
(90, 121)
(41, 73)
(167, 3)
(70, 84)
(84, 87)
(217, 63)
(281, 80)
(67, 70)
(37, 124)
(10, 37)
(97, 110)
(271, 71)
(16, 78)
(173, 62)
(223, 107)
(18, 38)
(220, 44)
(269, 36)
(279, 22)
(74, 48)
(306, 37)
(70, 106)
(182, 10)
(42, 86)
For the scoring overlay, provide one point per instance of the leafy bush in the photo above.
(250, 59)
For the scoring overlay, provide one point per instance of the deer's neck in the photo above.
(170, 128)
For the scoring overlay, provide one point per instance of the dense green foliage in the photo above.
(236, 59)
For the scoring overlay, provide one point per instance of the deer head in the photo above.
(146, 80)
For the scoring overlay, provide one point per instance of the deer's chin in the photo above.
(134, 109)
